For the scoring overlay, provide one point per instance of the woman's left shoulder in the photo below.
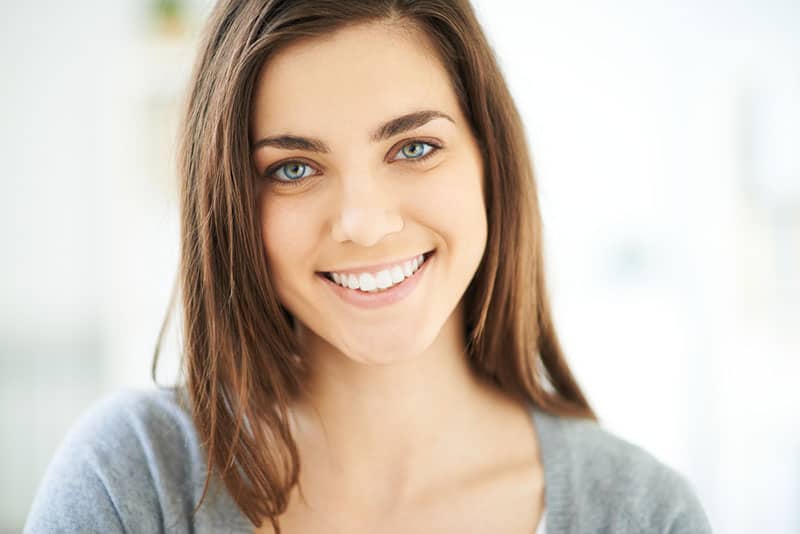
(612, 477)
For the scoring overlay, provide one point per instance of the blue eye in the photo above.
(295, 172)
(416, 150)
(292, 172)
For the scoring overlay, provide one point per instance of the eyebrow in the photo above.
(385, 131)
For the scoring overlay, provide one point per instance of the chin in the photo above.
(386, 351)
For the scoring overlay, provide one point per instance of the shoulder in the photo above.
(136, 421)
(613, 482)
(132, 461)
(134, 431)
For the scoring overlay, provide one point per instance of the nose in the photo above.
(365, 215)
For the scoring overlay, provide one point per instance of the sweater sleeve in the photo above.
(637, 492)
(598, 482)
(101, 477)
(683, 510)
(73, 496)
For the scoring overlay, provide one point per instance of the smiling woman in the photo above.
(368, 343)
(399, 175)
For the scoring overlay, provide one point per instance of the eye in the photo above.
(415, 150)
(292, 171)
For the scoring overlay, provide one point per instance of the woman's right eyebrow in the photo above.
(293, 142)
(385, 131)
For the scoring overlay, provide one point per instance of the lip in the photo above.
(384, 298)
(377, 267)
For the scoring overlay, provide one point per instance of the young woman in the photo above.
(369, 346)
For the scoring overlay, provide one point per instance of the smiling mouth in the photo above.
(379, 281)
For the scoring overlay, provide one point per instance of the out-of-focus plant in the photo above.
(168, 16)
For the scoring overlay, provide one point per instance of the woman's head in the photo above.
(253, 248)
(365, 158)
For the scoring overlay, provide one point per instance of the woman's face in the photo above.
(366, 161)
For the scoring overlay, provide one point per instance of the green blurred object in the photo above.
(169, 16)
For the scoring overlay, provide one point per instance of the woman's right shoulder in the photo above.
(132, 426)
(132, 458)
(135, 417)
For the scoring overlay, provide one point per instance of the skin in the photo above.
(391, 402)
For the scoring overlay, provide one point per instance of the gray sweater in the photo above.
(132, 463)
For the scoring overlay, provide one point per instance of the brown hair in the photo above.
(239, 348)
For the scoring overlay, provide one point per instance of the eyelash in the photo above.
(292, 183)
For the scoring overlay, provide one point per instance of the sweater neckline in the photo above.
(555, 454)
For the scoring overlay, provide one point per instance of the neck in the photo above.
(401, 425)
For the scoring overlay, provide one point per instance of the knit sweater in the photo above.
(133, 463)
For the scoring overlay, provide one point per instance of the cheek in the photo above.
(284, 237)
(271, 228)
(455, 208)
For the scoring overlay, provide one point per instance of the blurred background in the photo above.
(666, 140)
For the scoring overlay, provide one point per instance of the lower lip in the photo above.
(383, 298)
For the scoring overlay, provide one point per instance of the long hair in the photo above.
(239, 348)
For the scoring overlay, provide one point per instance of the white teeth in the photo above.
(397, 274)
(366, 282)
(384, 279)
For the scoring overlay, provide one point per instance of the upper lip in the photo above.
(376, 267)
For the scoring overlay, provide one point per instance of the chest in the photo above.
(513, 505)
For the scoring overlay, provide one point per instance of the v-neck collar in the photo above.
(555, 453)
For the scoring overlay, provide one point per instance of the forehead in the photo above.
(350, 79)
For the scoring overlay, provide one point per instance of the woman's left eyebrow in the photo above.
(389, 129)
